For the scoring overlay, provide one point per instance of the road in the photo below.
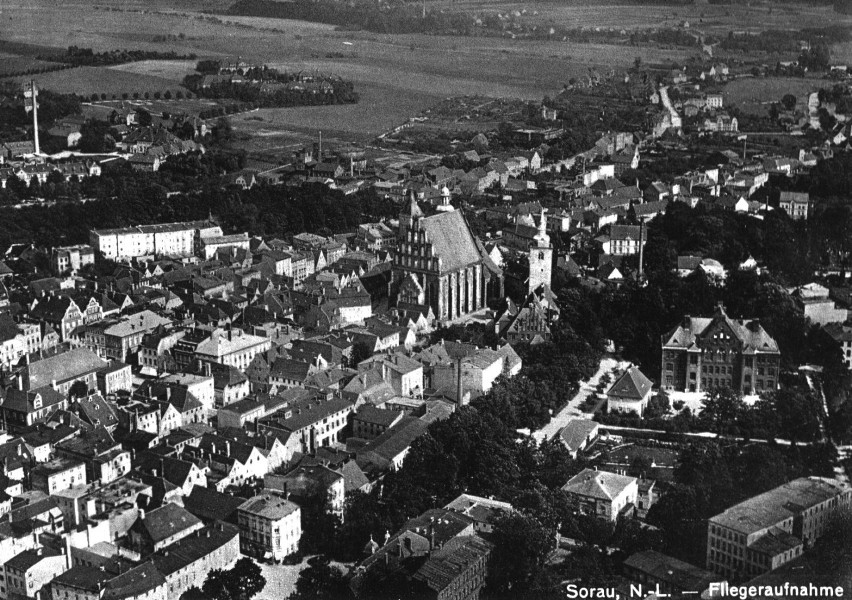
(572, 409)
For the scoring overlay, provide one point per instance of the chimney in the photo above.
(207, 369)
(641, 248)
(53, 385)
(66, 550)
(227, 448)
(20, 377)
(168, 393)
(142, 512)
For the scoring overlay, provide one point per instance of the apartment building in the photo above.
(270, 526)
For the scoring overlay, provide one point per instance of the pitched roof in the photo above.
(451, 239)
(168, 520)
(63, 367)
(576, 432)
(597, 484)
(632, 384)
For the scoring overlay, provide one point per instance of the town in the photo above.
(597, 344)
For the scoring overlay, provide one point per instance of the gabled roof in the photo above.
(632, 384)
(168, 520)
(576, 432)
(452, 240)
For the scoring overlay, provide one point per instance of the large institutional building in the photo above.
(768, 530)
(702, 353)
(167, 239)
(439, 263)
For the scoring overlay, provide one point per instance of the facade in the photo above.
(232, 347)
(540, 258)
(629, 393)
(795, 204)
(707, 352)
(187, 562)
(602, 494)
(438, 263)
(58, 474)
(27, 574)
(771, 529)
(71, 258)
(116, 340)
(842, 336)
(169, 239)
(270, 526)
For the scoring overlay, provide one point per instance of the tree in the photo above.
(247, 579)
(78, 389)
(242, 582)
(143, 117)
(721, 409)
(521, 545)
(788, 101)
(321, 581)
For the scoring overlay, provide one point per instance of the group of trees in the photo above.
(122, 197)
(80, 57)
(243, 581)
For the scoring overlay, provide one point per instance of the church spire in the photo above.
(541, 238)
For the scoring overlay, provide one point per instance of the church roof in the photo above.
(451, 240)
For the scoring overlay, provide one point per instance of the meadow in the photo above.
(86, 81)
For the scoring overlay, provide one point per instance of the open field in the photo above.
(173, 70)
(13, 63)
(752, 16)
(99, 80)
(753, 94)
(396, 75)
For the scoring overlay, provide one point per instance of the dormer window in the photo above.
(37, 401)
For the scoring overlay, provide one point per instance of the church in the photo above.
(440, 264)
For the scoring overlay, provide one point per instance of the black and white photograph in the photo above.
(425, 299)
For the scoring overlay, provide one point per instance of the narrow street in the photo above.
(572, 409)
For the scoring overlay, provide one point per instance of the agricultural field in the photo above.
(397, 76)
(716, 18)
(754, 95)
(86, 81)
(13, 63)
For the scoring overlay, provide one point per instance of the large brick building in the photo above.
(439, 264)
(707, 352)
(770, 529)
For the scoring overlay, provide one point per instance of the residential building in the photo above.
(168, 239)
(707, 352)
(58, 474)
(27, 574)
(602, 494)
(160, 528)
(768, 530)
(117, 340)
(270, 526)
(232, 347)
(187, 562)
(71, 258)
(578, 435)
(629, 393)
(796, 204)
(841, 335)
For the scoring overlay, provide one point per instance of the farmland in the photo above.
(754, 95)
(397, 76)
(99, 80)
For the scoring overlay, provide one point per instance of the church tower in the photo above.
(409, 216)
(445, 205)
(540, 258)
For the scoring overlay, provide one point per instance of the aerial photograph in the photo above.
(425, 299)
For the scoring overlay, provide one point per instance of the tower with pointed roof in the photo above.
(540, 258)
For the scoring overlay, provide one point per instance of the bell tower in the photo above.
(540, 257)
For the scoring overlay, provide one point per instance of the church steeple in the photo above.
(409, 215)
(541, 238)
(540, 258)
(445, 205)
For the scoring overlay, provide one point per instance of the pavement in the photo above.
(572, 409)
